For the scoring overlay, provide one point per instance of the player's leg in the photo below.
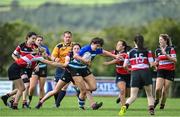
(165, 93)
(61, 95)
(150, 98)
(158, 90)
(80, 83)
(33, 83)
(56, 90)
(20, 88)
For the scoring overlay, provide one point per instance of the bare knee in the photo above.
(41, 89)
(158, 90)
(122, 92)
(22, 89)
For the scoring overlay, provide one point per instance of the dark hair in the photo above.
(67, 32)
(97, 40)
(39, 36)
(127, 48)
(30, 34)
(139, 40)
(77, 45)
(166, 38)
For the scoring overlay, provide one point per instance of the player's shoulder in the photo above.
(22, 44)
(60, 45)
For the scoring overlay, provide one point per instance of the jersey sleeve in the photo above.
(173, 53)
(47, 50)
(126, 60)
(150, 57)
(38, 58)
(83, 50)
(99, 51)
(17, 51)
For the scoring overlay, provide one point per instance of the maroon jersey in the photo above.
(23, 49)
(139, 59)
(120, 62)
(29, 61)
(163, 61)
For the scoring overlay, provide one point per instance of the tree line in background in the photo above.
(12, 34)
(53, 16)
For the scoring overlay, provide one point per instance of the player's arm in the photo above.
(76, 56)
(114, 61)
(54, 55)
(107, 53)
(67, 60)
(15, 55)
(52, 63)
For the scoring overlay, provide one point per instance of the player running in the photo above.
(140, 60)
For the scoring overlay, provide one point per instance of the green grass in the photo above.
(69, 107)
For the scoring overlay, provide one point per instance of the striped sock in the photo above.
(81, 102)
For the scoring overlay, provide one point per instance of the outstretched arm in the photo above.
(114, 61)
(87, 62)
(52, 63)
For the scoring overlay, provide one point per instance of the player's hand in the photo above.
(36, 69)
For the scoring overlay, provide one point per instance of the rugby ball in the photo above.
(87, 56)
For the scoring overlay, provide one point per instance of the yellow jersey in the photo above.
(61, 50)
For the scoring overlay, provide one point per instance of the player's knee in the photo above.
(93, 88)
(42, 89)
(22, 89)
(158, 89)
(122, 91)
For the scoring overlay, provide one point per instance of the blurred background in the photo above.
(110, 19)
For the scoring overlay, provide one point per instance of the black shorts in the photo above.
(140, 78)
(58, 74)
(125, 78)
(41, 73)
(166, 74)
(28, 72)
(14, 72)
(79, 71)
(67, 77)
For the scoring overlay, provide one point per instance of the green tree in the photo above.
(10, 36)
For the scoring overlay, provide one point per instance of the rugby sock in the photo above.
(162, 106)
(60, 97)
(151, 109)
(77, 91)
(127, 105)
(81, 102)
(55, 97)
(24, 101)
(40, 99)
(156, 103)
(15, 106)
(30, 98)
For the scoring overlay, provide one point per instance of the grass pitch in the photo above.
(69, 107)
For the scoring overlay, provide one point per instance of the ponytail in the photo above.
(139, 40)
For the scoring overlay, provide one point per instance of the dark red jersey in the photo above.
(28, 61)
(23, 49)
(120, 62)
(163, 61)
(139, 59)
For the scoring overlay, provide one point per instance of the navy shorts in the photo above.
(28, 72)
(166, 74)
(41, 73)
(140, 78)
(59, 73)
(14, 72)
(79, 71)
(124, 78)
(67, 77)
